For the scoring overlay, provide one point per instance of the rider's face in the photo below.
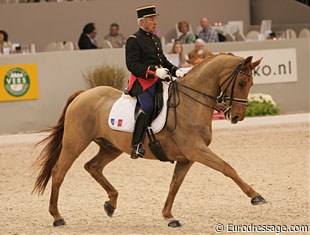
(149, 24)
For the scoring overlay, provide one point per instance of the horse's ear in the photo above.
(254, 64)
(247, 60)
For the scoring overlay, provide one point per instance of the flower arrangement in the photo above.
(260, 104)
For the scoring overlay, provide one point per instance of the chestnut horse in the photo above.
(223, 78)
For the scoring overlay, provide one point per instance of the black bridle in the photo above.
(222, 98)
(174, 97)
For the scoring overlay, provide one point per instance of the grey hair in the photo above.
(139, 21)
(199, 40)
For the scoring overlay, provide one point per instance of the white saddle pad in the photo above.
(121, 117)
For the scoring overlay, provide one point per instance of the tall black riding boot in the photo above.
(139, 134)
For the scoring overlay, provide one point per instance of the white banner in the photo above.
(277, 66)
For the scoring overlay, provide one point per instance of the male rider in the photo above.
(148, 66)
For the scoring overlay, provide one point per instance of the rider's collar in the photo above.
(147, 33)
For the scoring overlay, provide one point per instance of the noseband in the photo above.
(174, 100)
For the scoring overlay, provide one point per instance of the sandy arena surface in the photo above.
(272, 156)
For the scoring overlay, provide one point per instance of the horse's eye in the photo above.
(242, 84)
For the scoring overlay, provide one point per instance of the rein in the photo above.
(174, 97)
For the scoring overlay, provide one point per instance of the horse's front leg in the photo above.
(180, 171)
(204, 155)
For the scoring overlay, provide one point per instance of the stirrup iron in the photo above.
(137, 151)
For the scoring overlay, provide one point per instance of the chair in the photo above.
(239, 37)
(252, 35)
(68, 46)
(304, 33)
(76, 46)
(265, 26)
(229, 37)
(235, 26)
(106, 44)
(59, 46)
(9, 1)
(198, 29)
(50, 46)
(290, 34)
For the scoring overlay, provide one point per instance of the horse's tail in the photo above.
(50, 153)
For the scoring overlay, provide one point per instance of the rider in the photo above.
(148, 66)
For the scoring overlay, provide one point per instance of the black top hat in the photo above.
(146, 11)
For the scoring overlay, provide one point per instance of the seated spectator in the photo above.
(177, 48)
(186, 36)
(116, 39)
(4, 40)
(199, 53)
(87, 38)
(208, 34)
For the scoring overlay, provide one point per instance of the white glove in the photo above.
(162, 73)
(179, 73)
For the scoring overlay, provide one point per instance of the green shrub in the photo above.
(261, 105)
(106, 75)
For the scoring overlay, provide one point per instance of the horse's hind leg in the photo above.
(70, 151)
(180, 171)
(106, 154)
(210, 159)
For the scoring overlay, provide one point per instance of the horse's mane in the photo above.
(211, 58)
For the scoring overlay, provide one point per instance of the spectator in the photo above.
(199, 53)
(4, 40)
(87, 39)
(116, 39)
(208, 34)
(186, 36)
(4, 37)
(177, 48)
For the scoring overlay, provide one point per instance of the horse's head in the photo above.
(235, 90)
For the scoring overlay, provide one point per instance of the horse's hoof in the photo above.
(108, 209)
(59, 222)
(258, 200)
(174, 224)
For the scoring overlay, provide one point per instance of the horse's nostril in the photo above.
(235, 119)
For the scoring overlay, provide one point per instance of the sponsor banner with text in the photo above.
(18, 82)
(277, 66)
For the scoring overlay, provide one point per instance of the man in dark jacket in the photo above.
(87, 38)
(148, 66)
